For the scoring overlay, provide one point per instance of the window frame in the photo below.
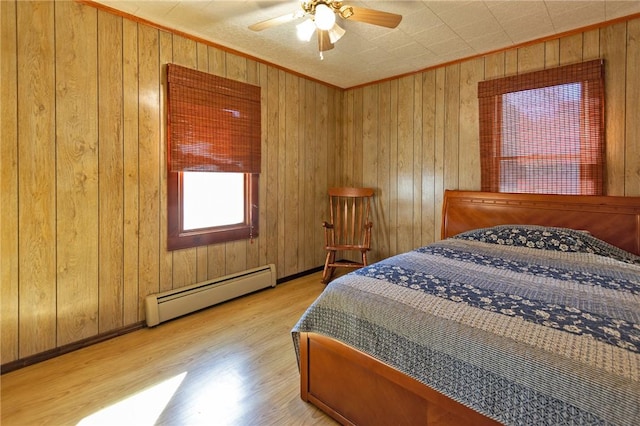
(178, 238)
(590, 75)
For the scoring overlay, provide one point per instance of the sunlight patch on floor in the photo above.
(220, 400)
(140, 409)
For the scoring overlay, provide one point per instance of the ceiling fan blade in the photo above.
(259, 26)
(375, 17)
(324, 41)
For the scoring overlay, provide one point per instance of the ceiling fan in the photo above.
(321, 18)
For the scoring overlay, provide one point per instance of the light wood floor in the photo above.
(232, 364)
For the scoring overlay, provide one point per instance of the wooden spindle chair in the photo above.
(349, 229)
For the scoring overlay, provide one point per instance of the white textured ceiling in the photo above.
(431, 32)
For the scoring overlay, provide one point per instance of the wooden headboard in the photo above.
(615, 220)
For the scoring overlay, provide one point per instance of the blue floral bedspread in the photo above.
(527, 325)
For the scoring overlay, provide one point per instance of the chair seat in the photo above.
(347, 264)
(347, 247)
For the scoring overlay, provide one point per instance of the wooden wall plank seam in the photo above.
(9, 236)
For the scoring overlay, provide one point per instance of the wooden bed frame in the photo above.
(356, 389)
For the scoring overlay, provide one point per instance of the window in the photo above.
(203, 193)
(543, 132)
(210, 208)
(214, 158)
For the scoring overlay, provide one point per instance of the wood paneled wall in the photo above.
(83, 173)
(84, 176)
(414, 137)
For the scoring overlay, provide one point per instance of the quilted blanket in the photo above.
(526, 325)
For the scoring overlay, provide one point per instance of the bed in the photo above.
(526, 312)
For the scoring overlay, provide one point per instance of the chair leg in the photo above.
(328, 270)
(364, 258)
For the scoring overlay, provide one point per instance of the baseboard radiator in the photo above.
(171, 304)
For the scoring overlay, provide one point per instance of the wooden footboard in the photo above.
(356, 389)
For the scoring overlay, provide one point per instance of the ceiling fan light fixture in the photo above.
(325, 17)
(305, 30)
(336, 33)
(321, 20)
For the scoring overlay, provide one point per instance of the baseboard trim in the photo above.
(299, 275)
(52, 353)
